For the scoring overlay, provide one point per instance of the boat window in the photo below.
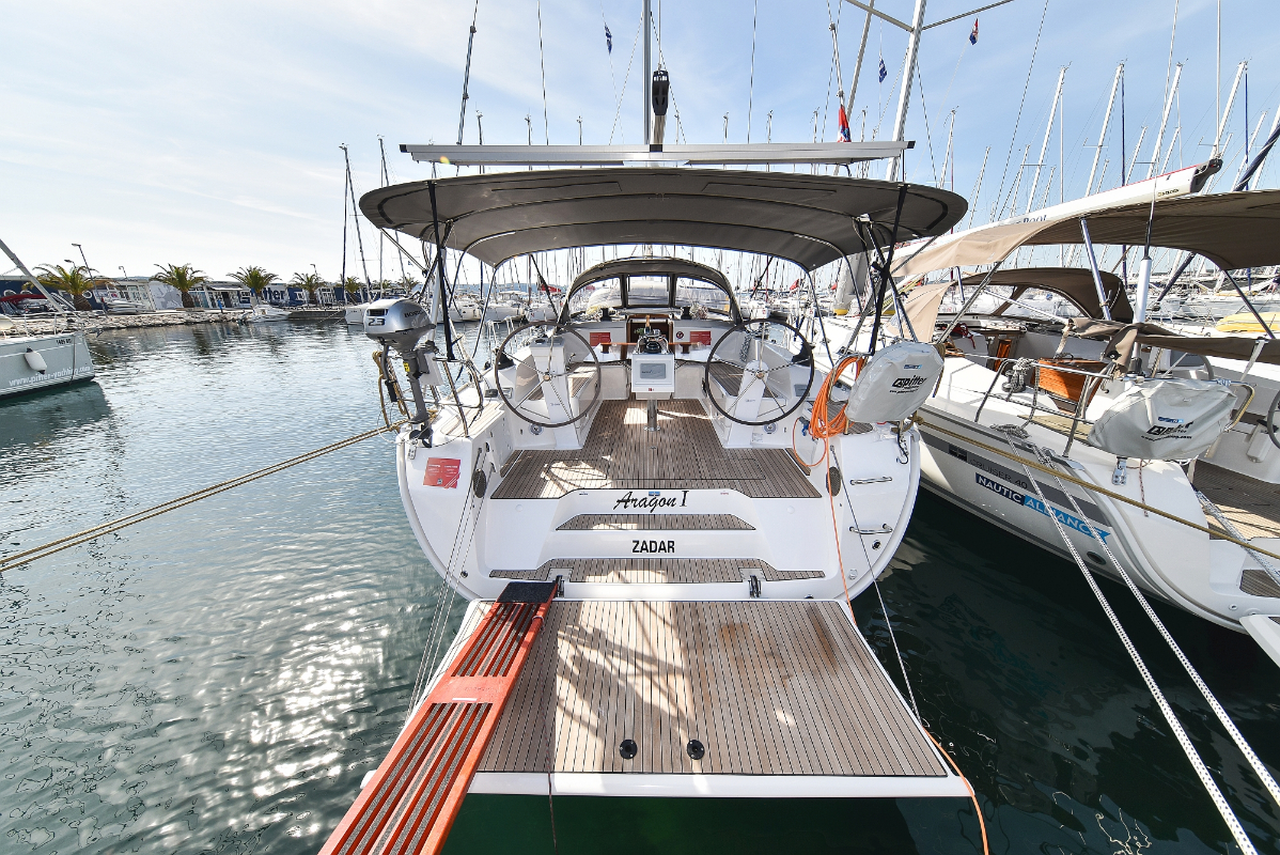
(692, 292)
(599, 295)
(648, 291)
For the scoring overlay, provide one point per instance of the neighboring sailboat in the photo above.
(29, 362)
(1090, 420)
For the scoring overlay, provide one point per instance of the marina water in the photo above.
(220, 678)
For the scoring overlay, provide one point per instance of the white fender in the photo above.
(36, 361)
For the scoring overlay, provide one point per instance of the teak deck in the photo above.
(1253, 506)
(620, 454)
(768, 687)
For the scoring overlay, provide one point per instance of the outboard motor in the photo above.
(894, 382)
(400, 323)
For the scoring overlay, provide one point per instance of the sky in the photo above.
(208, 133)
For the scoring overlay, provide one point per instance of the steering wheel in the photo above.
(1271, 421)
(738, 358)
(532, 351)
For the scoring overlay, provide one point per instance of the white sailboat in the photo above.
(31, 361)
(1076, 435)
(657, 550)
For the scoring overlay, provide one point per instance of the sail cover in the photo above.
(808, 219)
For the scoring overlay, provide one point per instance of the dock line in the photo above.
(88, 534)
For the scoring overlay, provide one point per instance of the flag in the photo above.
(973, 37)
(608, 38)
(843, 119)
(884, 72)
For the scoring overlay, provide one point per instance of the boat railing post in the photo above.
(1234, 284)
(1093, 267)
(968, 304)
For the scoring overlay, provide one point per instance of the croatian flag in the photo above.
(883, 71)
(973, 37)
(608, 37)
(843, 119)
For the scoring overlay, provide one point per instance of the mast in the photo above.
(647, 79)
(1164, 120)
(908, 77)
(1102, 134)
(914, 30)
(1048, 132)
(1222, 118)
(466, 76)
(857, 66)
(53, 301)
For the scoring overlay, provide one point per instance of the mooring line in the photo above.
(88, 534)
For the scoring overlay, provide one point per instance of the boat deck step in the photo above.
(414, 796)
(655, 522)
(639, 571)
(1253, 506)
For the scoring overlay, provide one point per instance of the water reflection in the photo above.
(1015, 665)
(34, 420)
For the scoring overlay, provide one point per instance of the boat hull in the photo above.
(30, 363)
(975, 467)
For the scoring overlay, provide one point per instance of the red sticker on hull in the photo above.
(442, 472)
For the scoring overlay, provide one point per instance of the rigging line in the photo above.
(355, 215)
(963, 51)
(1168, 69)
(451, 576)
(27, 555)
(345, 188)
(1264, 776)
(1180, 734)
(542, 60)
(612, 77)
(1021, 104)
(834, 26)
(884, 108)
(623, 94)
(928, 134)
(751, 86)
(973, 796)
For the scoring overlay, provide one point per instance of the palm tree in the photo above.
(352, 286)
(76, 281)
(184, 277)
(309, 282)
(255, 279)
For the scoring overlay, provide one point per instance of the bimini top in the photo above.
(1074, 283)
(808, 219)
(1233, 230)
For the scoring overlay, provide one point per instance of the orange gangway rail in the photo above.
(410, 803)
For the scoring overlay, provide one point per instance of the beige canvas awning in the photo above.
(1233, 230)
